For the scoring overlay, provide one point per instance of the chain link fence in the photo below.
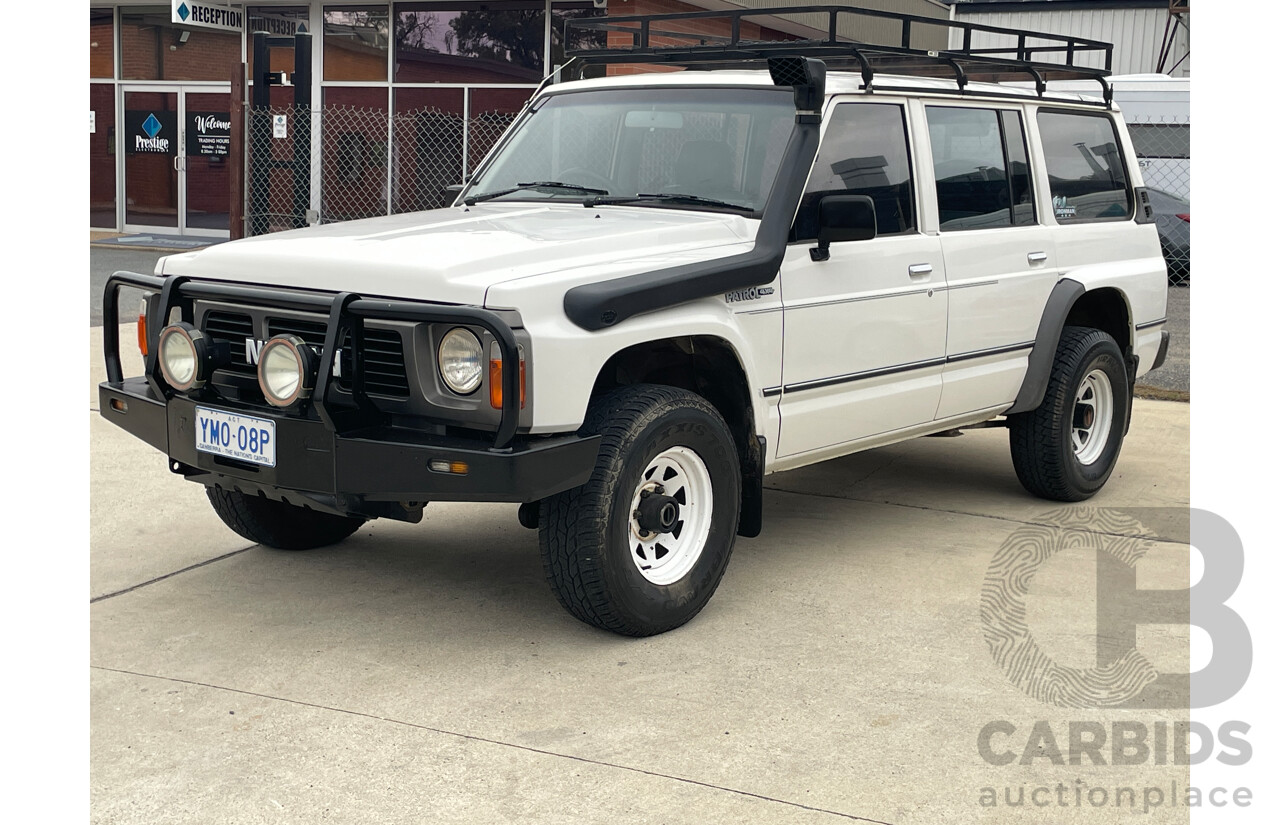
(364, 162)
(1163, 146)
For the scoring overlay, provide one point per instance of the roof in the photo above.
(838, 82)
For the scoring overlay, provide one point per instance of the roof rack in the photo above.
(659, 39)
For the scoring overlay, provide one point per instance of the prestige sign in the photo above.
(220, 16)
(149, 132)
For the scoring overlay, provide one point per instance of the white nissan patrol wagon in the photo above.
(659, 288)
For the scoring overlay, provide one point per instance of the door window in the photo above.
(980, 168)
(864, 152)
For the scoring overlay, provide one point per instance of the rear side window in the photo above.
(1087, 178)
(864, 152)
(980, 168)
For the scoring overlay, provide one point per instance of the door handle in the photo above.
(1037, 257)
(919, 270)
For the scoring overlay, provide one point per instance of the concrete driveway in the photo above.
(425, 673)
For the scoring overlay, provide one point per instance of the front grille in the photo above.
(384, 368)
(233, 328)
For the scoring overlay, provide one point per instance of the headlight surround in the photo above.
(287, 370)
(183, 352)
(461, 361)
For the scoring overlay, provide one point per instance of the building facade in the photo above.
(405, 99)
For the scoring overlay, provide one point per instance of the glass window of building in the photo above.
(279, 21)
(355, 43)
(154, 48)
(497, 43)
(102, 43)
(102, 155)
(501, 42)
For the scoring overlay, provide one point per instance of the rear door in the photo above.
(1001, 260)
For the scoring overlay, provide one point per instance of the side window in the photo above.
(864, 152)
(980, 168)
(1087, 177)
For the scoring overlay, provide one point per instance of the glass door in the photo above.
(151, 142)
(205, 166)
(177, 177)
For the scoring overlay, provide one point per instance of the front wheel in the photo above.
(641, 547)
(1066, 448)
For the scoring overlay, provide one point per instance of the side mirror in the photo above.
(843, 218)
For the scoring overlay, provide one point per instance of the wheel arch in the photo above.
(711, 367)
(1070, 304)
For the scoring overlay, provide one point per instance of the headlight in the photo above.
(287, 370)
(184, 357)
(461, 361)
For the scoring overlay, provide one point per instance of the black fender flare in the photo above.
(1040, 362)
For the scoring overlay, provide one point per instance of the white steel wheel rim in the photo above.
(1091, 417)
(665, 558)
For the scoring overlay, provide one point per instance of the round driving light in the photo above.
(184, 356)
(461, 361)
(287, 370)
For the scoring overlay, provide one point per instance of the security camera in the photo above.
(600, 4)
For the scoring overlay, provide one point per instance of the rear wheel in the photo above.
(641, 547)
(1066, 448)
(279, 525)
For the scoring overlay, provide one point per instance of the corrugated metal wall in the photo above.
(1136, 33)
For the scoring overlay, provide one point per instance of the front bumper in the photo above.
(371, 472)
(348, 458)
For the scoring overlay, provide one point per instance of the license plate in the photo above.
(241, 437)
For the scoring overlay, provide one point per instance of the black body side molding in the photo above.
(599, 305)
(1040, 361)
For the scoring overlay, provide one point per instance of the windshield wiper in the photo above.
(672, 197)
(537, 184)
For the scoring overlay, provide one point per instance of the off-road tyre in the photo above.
(1047, 460)
(587, 535)
(279, 525)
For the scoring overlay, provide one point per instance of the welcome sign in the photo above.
(208, 134)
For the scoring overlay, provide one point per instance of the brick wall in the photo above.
(712, 26)
(153, 52)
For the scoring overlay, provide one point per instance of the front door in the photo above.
(865, 331)
(176, 142)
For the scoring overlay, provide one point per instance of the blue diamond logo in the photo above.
(152, 126)
(184, 12)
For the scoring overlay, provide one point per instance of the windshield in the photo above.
(675, 148)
